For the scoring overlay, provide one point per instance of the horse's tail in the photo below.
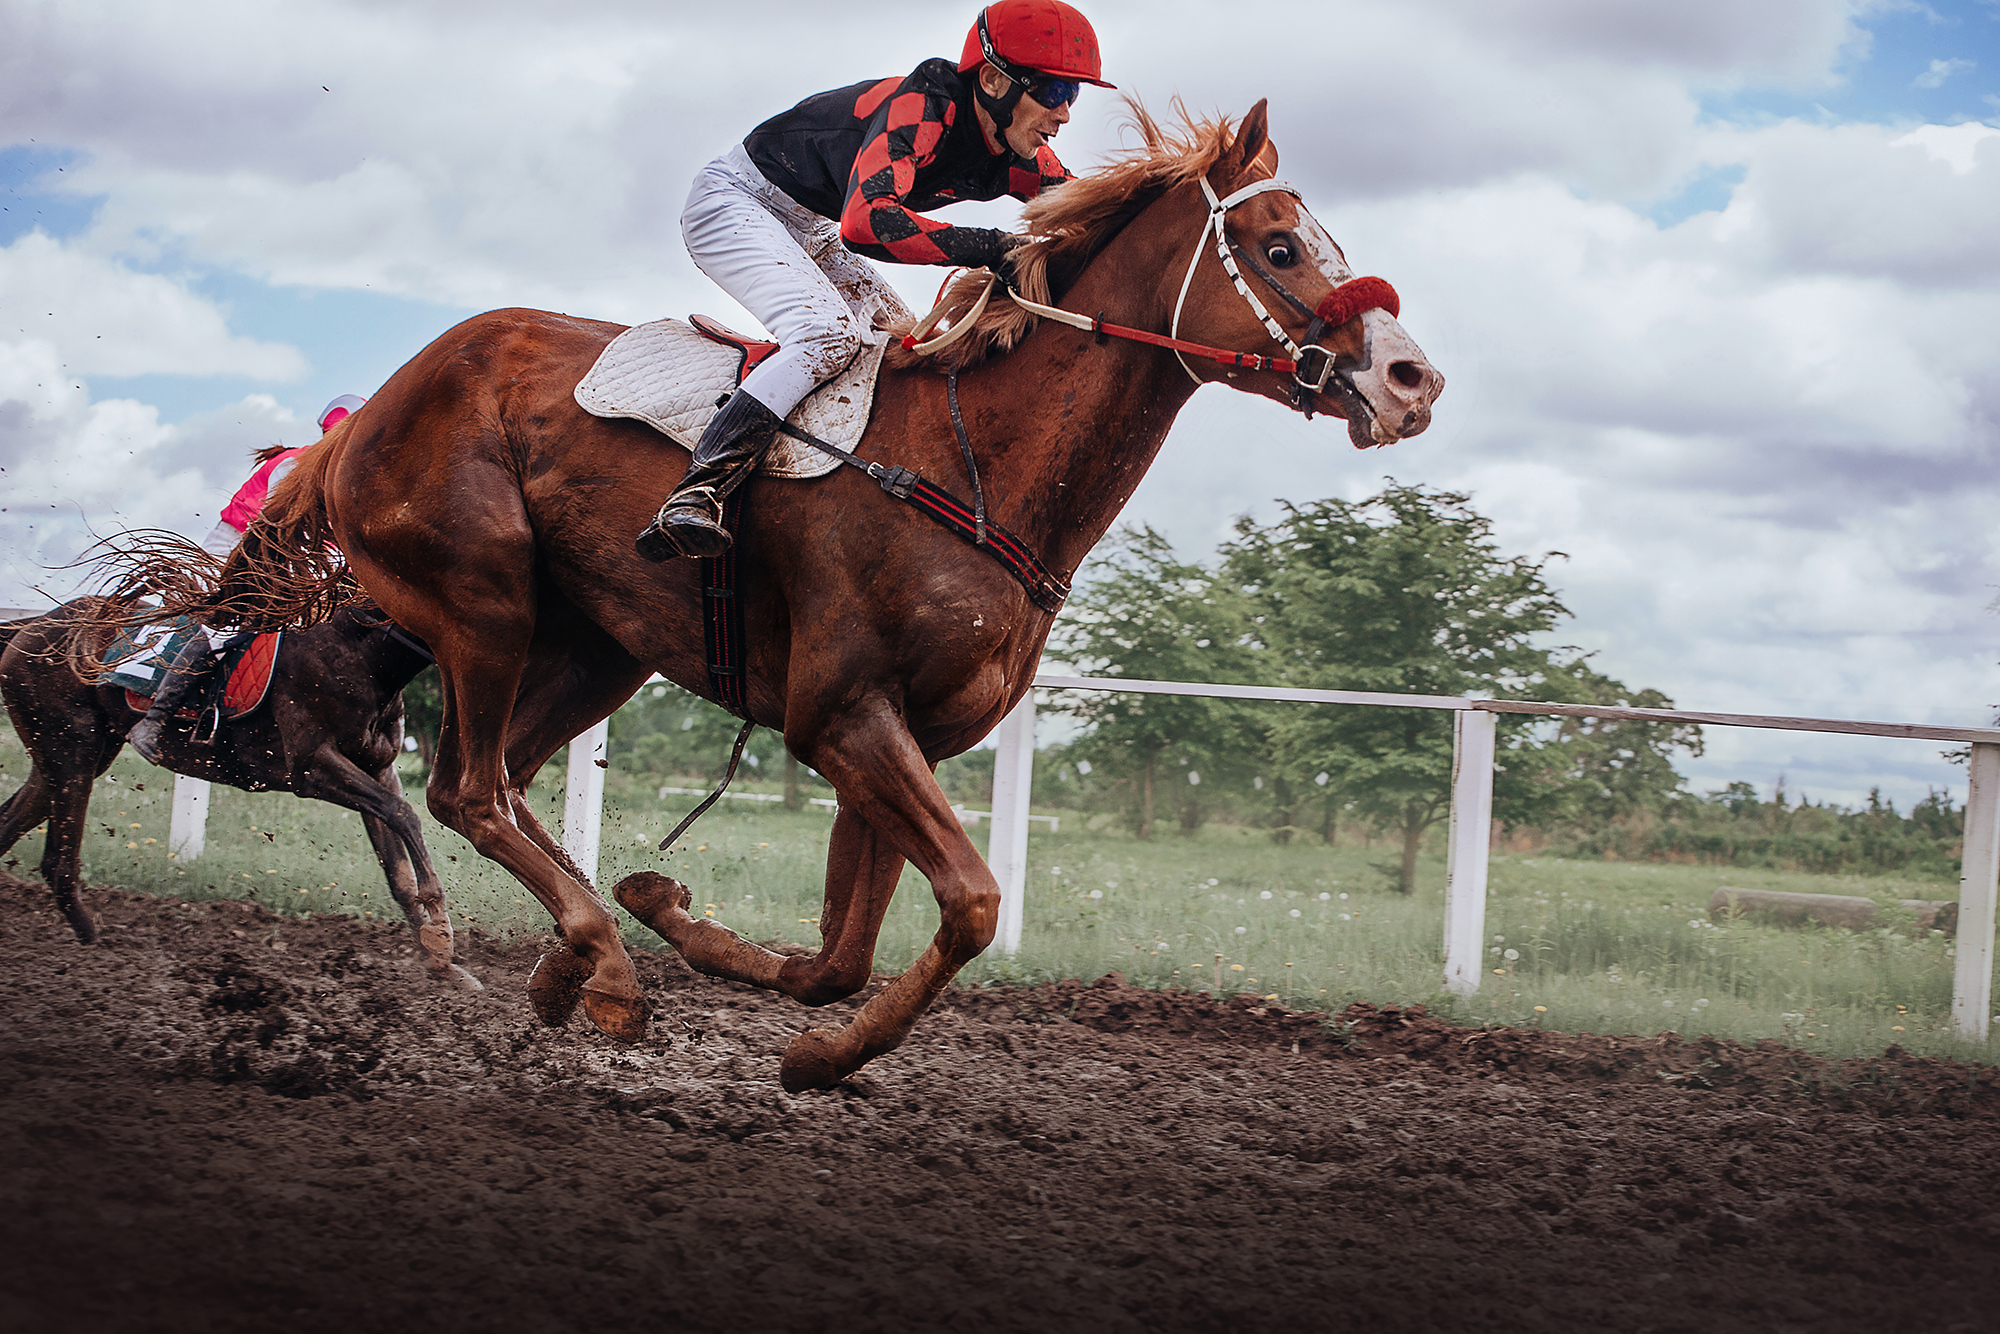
(285, 571)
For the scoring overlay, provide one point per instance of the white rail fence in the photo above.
(1469, 833)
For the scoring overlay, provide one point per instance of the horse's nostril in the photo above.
(1406, 373)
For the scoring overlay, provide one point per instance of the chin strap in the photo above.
(1001, 108)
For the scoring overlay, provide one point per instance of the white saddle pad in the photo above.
(669, 376)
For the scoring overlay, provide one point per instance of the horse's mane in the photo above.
(1070, 225)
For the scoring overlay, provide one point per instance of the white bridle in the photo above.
(1218, 212)
(1213, 226)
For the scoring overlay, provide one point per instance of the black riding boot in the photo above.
(690, 523)
(188, 667)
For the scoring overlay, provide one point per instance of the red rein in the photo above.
(1340, 305)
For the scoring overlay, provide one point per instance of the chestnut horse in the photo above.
(488, 514)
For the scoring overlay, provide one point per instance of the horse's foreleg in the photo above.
(397, 836)
(876, 766)
(406, 864)
(861, 875)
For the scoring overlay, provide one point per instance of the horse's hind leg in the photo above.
(62, 853)
(24, 810)
(861, 875)
(577, 675)
(469, 793)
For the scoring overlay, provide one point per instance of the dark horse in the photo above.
(483, 510)
(329, 728)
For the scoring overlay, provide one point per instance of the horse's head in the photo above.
(1265, 278)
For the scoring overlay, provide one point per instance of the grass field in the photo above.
(1576, 946)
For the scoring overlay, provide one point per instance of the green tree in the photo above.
(1144, 615)
(670, 732)
(1407, 593)
(1594, 771)
(423, 712)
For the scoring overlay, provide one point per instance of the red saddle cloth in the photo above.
(754, 350)
(249, 669)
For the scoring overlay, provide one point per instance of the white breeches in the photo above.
(221, 540)
(788, 267)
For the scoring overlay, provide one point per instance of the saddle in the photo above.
(232, 689)
(754, 350)
(671, 375)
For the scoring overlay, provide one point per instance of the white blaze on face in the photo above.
(1401, 405)
(1320, 249)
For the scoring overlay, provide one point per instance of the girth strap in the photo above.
(722, 622)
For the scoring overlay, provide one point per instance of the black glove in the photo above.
(1003, 267)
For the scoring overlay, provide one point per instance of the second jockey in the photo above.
(192, 661)
(779, 221)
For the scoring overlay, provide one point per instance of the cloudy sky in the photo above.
(1716, 286)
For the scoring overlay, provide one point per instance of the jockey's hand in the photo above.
(1003, 267)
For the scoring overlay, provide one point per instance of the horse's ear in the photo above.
(1253, 140)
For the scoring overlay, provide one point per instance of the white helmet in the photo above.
(338, 411)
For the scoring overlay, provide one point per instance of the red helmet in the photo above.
(1046, 36)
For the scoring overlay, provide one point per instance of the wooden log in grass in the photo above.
(1846, 910)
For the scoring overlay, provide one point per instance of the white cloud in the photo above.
(1939, 71)
(73, 470)
(109, 320)
(1862, 201)
(1956, 145)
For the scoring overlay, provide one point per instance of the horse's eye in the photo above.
(1281, 252)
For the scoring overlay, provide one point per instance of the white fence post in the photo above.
(1007, 844)
(1972, 982)
(1465, 865)
(187, 833)
(583, 809)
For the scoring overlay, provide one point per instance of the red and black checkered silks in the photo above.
(875, 156)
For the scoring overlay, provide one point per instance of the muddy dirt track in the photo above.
(222, 1120)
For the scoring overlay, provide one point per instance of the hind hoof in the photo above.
(620, 1017)
(649, 896)
(556, 985)
(809, 1065)
(81, 922)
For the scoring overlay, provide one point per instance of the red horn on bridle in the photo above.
(1349, 299)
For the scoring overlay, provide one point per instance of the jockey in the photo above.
(191, 662)
(779, 221)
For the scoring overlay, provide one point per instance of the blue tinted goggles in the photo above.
(1054, 93)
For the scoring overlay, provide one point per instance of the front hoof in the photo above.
(435, 943)
(460, 978)
(620, 1017)
(556, 985)
(809, 1063)
(654, 898)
